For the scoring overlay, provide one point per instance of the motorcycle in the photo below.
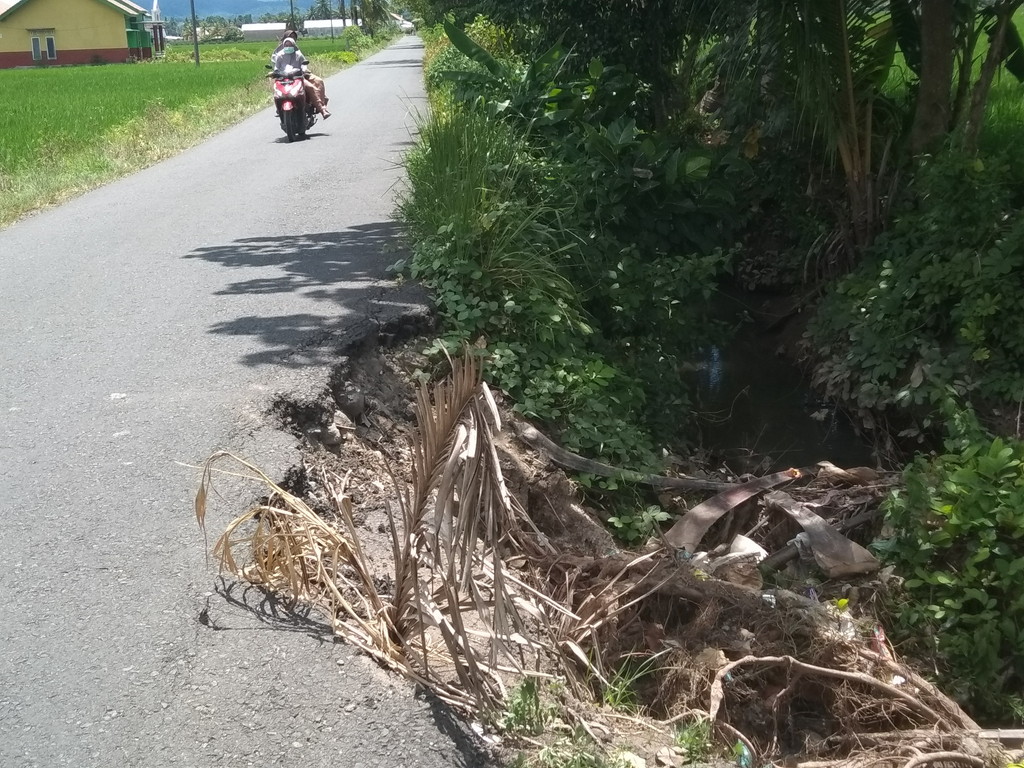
(295, 111)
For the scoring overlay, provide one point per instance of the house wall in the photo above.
(82, 32)
(323, 28)
(262, 33)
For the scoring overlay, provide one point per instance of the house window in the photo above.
(51, 48)
(37, 51)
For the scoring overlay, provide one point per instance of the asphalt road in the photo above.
(149, 323)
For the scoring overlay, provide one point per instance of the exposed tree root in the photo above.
(944, 757)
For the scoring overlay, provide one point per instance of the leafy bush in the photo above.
(939, 302)
(355, 40)
(637, 527)
(958, 530)
(490, 36)
(580, 248)
(445, 59)
(487, 248)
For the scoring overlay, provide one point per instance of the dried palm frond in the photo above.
(457, 521)
(455, 607)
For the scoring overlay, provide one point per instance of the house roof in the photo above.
(6, 6)
(124, 6)
(127, 6)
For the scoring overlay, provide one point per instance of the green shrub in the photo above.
(447, 58)
(958, 538)
(355, 40)
(490, 36)
(488, 248)
(582, 250)
(939, 302)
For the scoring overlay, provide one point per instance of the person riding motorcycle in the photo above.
(288, 58)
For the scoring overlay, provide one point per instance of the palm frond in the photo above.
(456, 619)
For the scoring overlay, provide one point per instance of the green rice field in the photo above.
(64, 130)
(314, 48)
(62, 110)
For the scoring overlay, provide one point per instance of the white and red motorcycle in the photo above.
(295, 109)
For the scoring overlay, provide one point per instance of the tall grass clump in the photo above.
(470, 208)
(486, 240)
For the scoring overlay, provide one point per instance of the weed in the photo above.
(638, 526)
(525, 714)
(576, 751)
(695, 737)
(620, 693)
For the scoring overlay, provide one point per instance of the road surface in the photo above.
(149, 323)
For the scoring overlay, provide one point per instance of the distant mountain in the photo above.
(179, 9)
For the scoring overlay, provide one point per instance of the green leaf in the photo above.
(672, 167)
(696, 167)
(473, 50)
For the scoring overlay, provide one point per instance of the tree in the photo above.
(645, 37)
(375, 15)
(935, 58)
(321, 9)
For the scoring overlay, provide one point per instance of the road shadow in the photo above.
(323, 264)
(345, 270)
(472, 752)
(396, 63)
(269, 611)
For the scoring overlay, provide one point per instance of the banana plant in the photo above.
(831, 58)
(529, 92)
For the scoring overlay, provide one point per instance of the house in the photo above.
(262, 31)
(324, 27)
(58, 32)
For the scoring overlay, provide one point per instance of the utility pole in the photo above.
(292, 23)
(195, 30)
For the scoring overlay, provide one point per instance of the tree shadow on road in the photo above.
(396, 63)
(345, 271)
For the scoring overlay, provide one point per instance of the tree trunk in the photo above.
(932, 118)
(963, 81)
(979, 99)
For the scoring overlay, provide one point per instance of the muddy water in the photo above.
(755, 409)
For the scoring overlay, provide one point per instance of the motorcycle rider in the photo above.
(286, 57)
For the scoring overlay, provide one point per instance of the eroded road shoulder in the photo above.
(152, 322)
